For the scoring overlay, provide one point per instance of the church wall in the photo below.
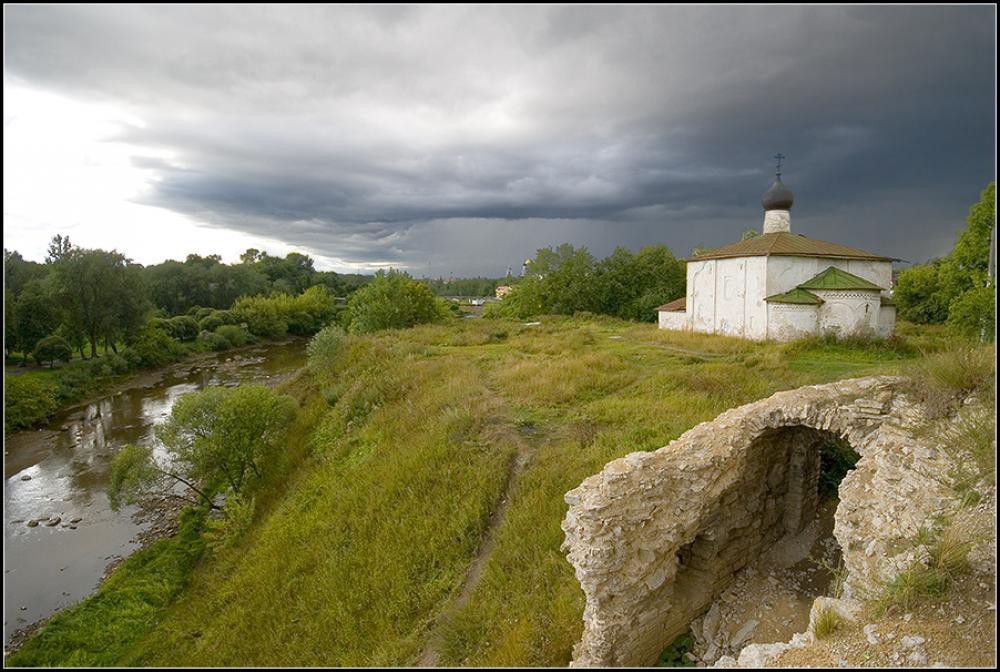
(786, 322)
(673, 319)
(849, 311)
(886, 321)
(786, 273)
(701, 295)
(726, 296)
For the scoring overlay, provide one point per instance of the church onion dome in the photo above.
(778, 197)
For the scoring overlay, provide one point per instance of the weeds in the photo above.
(827, 622)
(947, 556)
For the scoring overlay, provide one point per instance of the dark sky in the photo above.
(460, 139)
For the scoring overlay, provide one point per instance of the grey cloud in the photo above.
(463, 138)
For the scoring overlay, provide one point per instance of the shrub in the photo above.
(973, 314)
(265, 316)
(51, 349)
(27, 401)
(183, 328)
(236, 520)
(217, 342)
(393, 300)
(236, 336)
(152, 347)
(216, 319)
(311, 311)
(323, 348)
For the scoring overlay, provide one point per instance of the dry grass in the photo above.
(828, 621)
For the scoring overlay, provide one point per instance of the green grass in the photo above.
(828, 621)
(359, 556)
(929, 578)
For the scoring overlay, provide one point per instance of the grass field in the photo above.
(361, 560)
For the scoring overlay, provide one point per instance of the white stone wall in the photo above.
(786, 273)
(847, 312)
(786, 321)
(886, 320)
(726, 296)
(777, 221)
(674, 319)
(635, 531)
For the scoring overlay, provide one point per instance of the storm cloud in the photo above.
(460, 139)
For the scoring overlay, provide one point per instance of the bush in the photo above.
(323, 349)
(237, 518)
(265, 316)
(152, 347)
(217, 342)
(27, 401)
(393, 300)
(216, 319)
(51, 349)
(183, 328)
(973, 314)
(236, 336)
(311, 311)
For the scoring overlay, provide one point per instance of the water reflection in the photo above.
(62, 471)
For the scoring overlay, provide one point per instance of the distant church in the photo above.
(783, 286)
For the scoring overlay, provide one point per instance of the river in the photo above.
(62, 470)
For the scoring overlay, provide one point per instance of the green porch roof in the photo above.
(797, 295)
(834, 278)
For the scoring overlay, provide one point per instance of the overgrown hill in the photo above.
(446, 447)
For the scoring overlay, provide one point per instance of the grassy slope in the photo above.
(357, 564)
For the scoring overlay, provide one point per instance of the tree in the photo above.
(918, 294)
(100, 294)
(35, 316)
(393, 300)
(218, 437)
(51, 349)
(955, 289)
(749, 233)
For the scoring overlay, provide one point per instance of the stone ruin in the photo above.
(656, 536)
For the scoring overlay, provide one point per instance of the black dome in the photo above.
(778, 197)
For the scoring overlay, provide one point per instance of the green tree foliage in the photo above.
(27, 401)
(955, 289)
(919, 296)
(393, 300)
(565, 280)
(183, 328)
(216, 437)
(265, 316)
(235, 335)
(35, 315)
(101, 295)
(973, 314)
(323, 349)
(52, 349)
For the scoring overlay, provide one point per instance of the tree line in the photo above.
(956, 289)
(95, 299)
(566, 279)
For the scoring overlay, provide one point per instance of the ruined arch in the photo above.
(655, 536)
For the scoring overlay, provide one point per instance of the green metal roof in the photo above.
(887, 301)
(834, 278)
(788, 245)
(797, 295)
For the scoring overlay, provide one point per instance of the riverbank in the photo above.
(62, 473)
(34, 397)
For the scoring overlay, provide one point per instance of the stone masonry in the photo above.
(656, 536)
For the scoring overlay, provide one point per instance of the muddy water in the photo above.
(62, 471)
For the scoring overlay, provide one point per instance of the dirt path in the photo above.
(429, 657)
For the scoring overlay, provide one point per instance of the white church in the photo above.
(783, 286)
